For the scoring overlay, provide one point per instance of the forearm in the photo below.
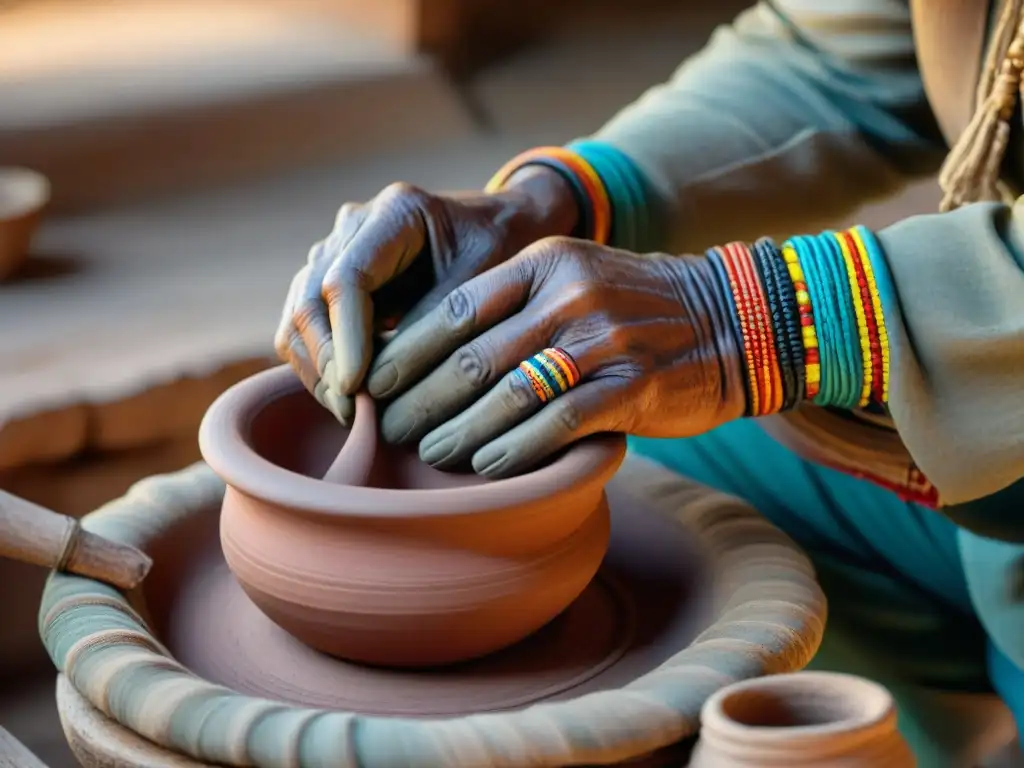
(788, 120)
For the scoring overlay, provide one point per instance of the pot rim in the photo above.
(877, 708)
(223, 445)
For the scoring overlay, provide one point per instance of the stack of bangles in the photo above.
(809, 318)
(611, 193)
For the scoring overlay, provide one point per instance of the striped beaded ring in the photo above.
(550, 373)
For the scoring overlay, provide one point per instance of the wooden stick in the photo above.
(39, 536)
(14, 754)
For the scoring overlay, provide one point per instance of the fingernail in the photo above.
(383, 380)
(489, 465)
(342, 407)
(320, 393)
(330, 376)
(434, 450)
(397, 427)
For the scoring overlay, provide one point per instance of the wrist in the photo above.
(716, 333)
(809, 320)
(543, 199)
(589, 190)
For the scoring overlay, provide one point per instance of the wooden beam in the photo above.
(462, 34)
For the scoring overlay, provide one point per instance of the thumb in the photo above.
(379, 251)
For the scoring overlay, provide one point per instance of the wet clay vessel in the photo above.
(808, 718)
(364, 552)
(697, 591)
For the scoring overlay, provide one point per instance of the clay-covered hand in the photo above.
(396, 257)
(650, 335)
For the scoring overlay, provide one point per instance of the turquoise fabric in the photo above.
(915, 601)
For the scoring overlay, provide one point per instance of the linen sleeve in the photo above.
(792, 117)
(957, 355)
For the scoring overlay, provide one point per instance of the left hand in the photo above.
(649, 334)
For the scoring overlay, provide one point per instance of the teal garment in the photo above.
(900, 596)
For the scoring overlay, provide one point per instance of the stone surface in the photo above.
(113, 99)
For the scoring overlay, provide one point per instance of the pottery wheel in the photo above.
(697, 591)
(644, 604)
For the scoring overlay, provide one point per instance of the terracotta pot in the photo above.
(808, 718)
(23, 195)
(385, 560)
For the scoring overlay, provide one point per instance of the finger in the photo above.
(513, 400)
(289, 341)
(583, 411)
(466, 312)
(309, 314)
(285, 328)
(468, 373)
(390, 238)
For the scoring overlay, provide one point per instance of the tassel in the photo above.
(972, 169)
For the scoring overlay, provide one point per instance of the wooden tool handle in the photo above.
(33, 534)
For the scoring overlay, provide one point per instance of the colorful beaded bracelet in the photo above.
(595, 206)
(610, 191)
(810, 319)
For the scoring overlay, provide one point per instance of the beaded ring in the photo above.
(550, 373)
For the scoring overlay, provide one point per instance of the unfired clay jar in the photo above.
(819, 719)
(23, 195)
(363, 552)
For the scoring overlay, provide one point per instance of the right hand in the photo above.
(396, 257)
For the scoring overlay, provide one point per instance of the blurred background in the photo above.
(195, 149)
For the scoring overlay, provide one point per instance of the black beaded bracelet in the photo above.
(714, 255)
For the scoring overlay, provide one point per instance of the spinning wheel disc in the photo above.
(716, 594)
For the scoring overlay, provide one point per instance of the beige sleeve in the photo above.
(790, 118)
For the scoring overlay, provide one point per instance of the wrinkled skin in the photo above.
(482, 282)
(396, 257)
(649, 334)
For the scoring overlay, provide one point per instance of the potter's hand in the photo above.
(649, 335)
(397, 257)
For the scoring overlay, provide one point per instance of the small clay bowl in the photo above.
(23, 196)
(391, 562)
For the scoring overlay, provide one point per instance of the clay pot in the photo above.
(23, 195)
(387, 561)
(808, 718)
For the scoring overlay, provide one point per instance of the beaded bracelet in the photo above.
(876, 273)
(842, 272)
(808, 335)
(596, 207)
(810, 319)
(782, 300)
(632, 227)
(741, 335)
(755, 303)
(611, 192)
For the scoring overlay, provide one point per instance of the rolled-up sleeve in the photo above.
(792, 117)
(957, 382)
